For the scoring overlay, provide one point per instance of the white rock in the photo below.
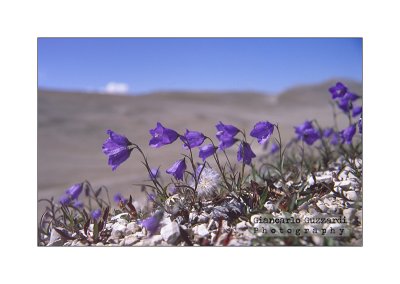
(130, 240)
(349, 214)
(118, 229)
(351, 195)
(241, 226)
(132, 228)
(201, 230)
(55, 239)
(270, 206)
(345, 184)
(155, 240)
(170, 233)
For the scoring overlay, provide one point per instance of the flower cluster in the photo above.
(345, 99)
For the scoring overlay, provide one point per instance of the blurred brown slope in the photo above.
(71, 128)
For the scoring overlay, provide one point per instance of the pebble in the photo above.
(351, 195)
(201, 230)
(170, 233)
(132, 228)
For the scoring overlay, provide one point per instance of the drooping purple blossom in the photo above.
(335, 138)
(225, 140)
(351, 96)
(307, 133)
(74, 191)
(192, 139)
(206, 151)
(328, 132)
(348, 133)
(226, 128)
(262, 131)
(65, 199)
(274, 148)
(77, 204)
(96, 214)
(357, 110)
(162, 136)
(118, 198)
(344, 104)
(177, 169)
(118, 149)
(338, 91)
(245, 153)
(152, 223)
(226, 135)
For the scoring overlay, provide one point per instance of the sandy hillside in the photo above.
(71, 128)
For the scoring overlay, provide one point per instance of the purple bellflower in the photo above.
(64, 199)
(357, 110)
(206, 151)
(177, 169)
(348, 133)
(74, 191)
(274, 148)
(228, 129)
(226, 135)
(152, 223)
(351, 96)
(96, 214)
(162, 136)
(118, 198)
(118, 149)
(245, 153)
(338, 91)
(307, 133)
(335, 138)
(192, 139)
(262, 131)
(78, 204)
(328, 132)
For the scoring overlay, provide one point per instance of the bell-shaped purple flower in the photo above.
(307, 133)
(74, 191)
(338, 91)
(118, 149)
(328, 132)
(262, 131)
(162, 136)
(225, 140)
(344, 104)
(152, 223)
(348, 133)
(77, 204)
(118, 198)
(351, 96)
(357, 110)
(335, 138)
(274, 148)
(245, 153)
(227, 129)
(65, 200)
(192, 139)
(177, 169)
(206, 151)
(96, 214)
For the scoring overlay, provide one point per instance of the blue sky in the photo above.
(140, 65)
